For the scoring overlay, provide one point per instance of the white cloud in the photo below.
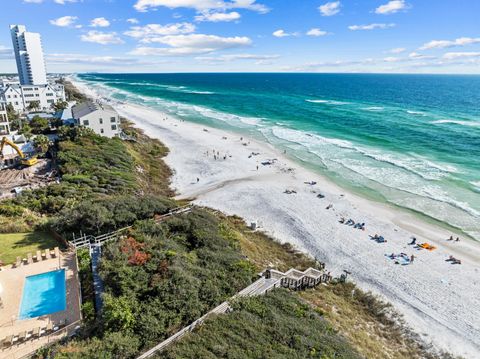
(397, 50)
(61, 58)
(63, 2)
(370, 27)
(330, 8)
(33, 1)
(64, 21)
(147, 32)
(201, 5)
(282, 33)
(460, 55)
(441, 44)
(394, 59)
(99, 22)
(6, 53)
(132, 21)
(103, 38)
(184, 45)
(391, 7)
(417, 56)
(316, 32)
(217, 16)
(235, 57)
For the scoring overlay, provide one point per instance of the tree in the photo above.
(42, 143)
(33, 105)
(39, 124)
(117, 313)
(26, 130)
(60, 105)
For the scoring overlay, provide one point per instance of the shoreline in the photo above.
(424, 291)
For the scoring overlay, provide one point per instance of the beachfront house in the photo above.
(20, 97)
(4, 125)
(101, 118)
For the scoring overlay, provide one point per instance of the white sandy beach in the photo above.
(439, 300)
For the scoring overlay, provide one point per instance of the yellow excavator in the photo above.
(26, 161)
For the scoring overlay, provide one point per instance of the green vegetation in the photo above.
(20, 244)
(39, 124)
(60, 105)
(86, 282)
(71, 92)
(159, 278)
(276, 325)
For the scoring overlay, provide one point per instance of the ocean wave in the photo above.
(418, 166)
(408, 185)
(476, 185)
(329, 102)
(417, 113)
(373, 108)
(457, 122)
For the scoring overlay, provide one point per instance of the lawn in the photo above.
(20, 244)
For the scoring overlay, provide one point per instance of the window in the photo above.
(101, 121)
(50, 94)
(86, 123)
(114, 127)
(101, 130)
(113, 119)
(50, 101)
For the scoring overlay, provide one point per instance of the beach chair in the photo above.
(44, 255)
(60, 325)
(22, 336)
(14, 339)
(24, 260)
(42, 331)
(28, 335)
(7, 341)
(49, 327)
(29, 258)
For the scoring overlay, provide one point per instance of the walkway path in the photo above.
(95, 253)
(269, 280)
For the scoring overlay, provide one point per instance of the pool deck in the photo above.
(11, 287)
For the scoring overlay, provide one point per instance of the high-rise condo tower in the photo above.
(29, 56)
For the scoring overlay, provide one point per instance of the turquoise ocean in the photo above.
(412, 141)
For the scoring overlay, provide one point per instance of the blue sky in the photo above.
(413, 36)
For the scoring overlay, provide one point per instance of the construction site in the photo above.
(20, 169)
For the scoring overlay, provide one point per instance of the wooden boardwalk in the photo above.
(269, 280)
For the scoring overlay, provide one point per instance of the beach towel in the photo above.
(401, 259)
(426, 246)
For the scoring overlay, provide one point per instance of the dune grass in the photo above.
(20, 244)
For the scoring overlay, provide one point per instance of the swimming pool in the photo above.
(43, 294)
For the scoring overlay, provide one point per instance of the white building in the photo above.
(101, 118)
(21, 96)
(29, 56)
(33, 86)
(4, 125)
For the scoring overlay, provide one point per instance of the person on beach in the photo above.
(198, 179)
(412, 258)
(257, 167)
(450, 239)
(414, 240)
(457, 240)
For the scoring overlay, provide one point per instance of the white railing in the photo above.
(261, 286)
